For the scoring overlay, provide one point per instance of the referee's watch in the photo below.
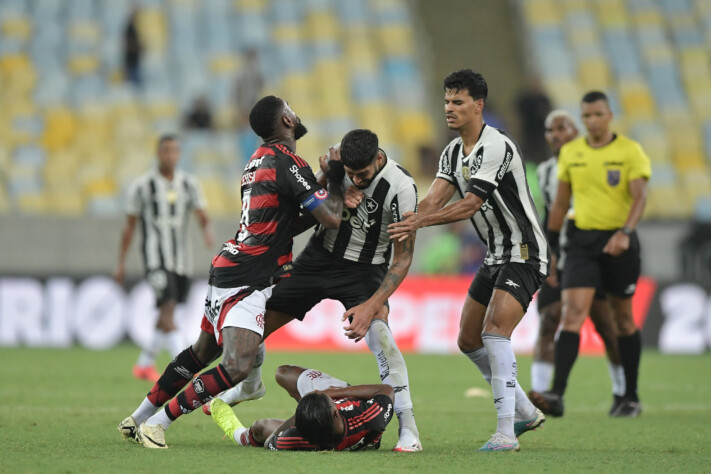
(627, 231)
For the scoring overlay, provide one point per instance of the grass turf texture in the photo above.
(60, 409)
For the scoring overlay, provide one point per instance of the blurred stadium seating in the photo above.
(72, 132)
(653, 58)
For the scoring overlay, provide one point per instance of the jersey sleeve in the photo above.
(300, 182)
(488, 168)
(197, 196)
(134, 202)
(640, 165)
(405, 200)
(563, 164)
(444, 170)
(378, 412)
(289, 440)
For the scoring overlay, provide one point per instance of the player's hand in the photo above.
(119, 274)
(402, 230)
(353, 197)
(552, 279)
(618, 244)
(209, 238)
(362, 315)
(334, 154)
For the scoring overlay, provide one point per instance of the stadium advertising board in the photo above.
(97, 313)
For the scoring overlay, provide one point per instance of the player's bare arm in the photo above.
(290, 423)
(364, 313)
(361, 392)
(620, 240)
(126, 237)
(439, 194)
(560, 206)
(465, 208)
(330, 212)
(204, 221)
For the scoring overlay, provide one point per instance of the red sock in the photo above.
(204, 387)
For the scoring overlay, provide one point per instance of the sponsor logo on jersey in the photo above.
(504, 166)
(371, 205)
(300, 179)
(387, 412)
(613, 177)
(444, 163)
(466, 172)
(395, 211)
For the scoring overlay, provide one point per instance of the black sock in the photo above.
(179, 372)
(630, 353)
(566, 351)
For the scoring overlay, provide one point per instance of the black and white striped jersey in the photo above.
(547, 173)
(164, 208)
(363, 234)
(507, 221)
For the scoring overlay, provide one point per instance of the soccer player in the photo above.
(483, 165)
(606, 175)
(560, 129)
(350, 265)
(330, 415)
(163, 198)
(275, 184)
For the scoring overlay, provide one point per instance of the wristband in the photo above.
(336, 171)
(627, 231)
(554, 241)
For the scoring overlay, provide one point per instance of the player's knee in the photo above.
(237, 369)
(469, 342)
(284, 374)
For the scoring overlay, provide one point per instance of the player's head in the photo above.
(560, 129)
(316, 419)
(361, 156)
(465, 92)
(272, 118)
(168, 151)
(596, 114)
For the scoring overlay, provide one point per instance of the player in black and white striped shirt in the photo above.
(163, 199)
(485, 168)
(351, 264)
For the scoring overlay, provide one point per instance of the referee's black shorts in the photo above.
(521, 280)
(586, 266)
(318, 275)
(549, 295)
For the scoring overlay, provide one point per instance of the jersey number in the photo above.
(244, 219)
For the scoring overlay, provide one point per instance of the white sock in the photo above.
(144, 411)
(237, 435)
(393, 371)
(160, 418)
(147, 357)
(541, 375)
(174, 342)
(503, 380)
(617, 376)
(250, 383)
(524, 408)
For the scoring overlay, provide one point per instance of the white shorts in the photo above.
(235, 307)
(311, 380)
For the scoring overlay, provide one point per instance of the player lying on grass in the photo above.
(330, 415)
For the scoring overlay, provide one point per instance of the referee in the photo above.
(162, 199)
(606, 175)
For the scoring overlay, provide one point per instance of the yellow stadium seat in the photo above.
(100, 187)
(564, 90)
(67, 202)
(648, 17)
(11, 63)
(322, 26)
(396, 40)
(636, 100)
(658, 206)
(85, 64)
(85, 32)
(18, 28)
(33, 203)
(59, 130)
(542, 12)
(594, 74)
(359, 55)
(377, 116)
(250, 5)
(153, 29)
(287, 34)
(164, 109)
(611, 13)
(225, 64)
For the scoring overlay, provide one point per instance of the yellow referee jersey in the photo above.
(599, 178)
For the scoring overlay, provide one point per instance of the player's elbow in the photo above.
(331, 222)
(388, 390)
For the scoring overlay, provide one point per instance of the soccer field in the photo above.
(60, 409)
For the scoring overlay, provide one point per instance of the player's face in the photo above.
(560, 132)
(299, 129)
(363, 177)
(460, 108)
(596, 117)
(168, 155)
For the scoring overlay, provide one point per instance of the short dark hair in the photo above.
(167, 137)
(264, 115)
(314, 420)
(594, 96)
(469, 80)
(359, 148)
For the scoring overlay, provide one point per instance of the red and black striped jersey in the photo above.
(365, 422)
(275, 184)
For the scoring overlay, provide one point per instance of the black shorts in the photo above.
(587, 266)
(168, 286)
(549, 295)
(521, 280)
(318, 275)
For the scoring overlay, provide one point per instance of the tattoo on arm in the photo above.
(399, 268)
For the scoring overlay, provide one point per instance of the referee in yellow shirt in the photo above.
(606, 175)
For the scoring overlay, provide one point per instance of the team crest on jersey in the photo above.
(466, 173)
(613, 177)
(371, 205)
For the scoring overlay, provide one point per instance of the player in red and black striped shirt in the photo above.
(330, 415)
(276, 186)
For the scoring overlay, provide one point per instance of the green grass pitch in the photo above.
(60, 408)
